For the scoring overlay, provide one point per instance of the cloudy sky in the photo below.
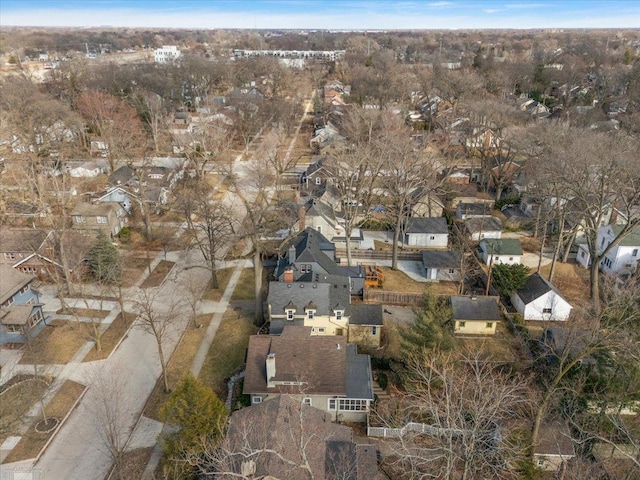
(322, 14)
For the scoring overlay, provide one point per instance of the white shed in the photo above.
(541, 300)
(427, 232)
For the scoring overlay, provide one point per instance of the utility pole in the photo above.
(486, 292)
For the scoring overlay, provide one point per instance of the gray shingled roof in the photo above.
(358, 374)
(535, 287)
(310, 246)
(360, 314)
(484, 224)
(94, 210)
(436, 225)
(11, 280)
(475, 308)
(474, 208)
(300, 293)
(439, 259)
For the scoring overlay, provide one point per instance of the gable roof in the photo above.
(554, 439)
(309, 246)
(122, 175)
(483, 224)
(475, 308)
(632, 239)
(22, 239)
(440, 259)
(96, 209)
(436, 225)
(474, 208)
(535, 287)
(361, 314)
(19, 314)
(299, 293)
(502, 246)
(11, 280)
(283, 423)
(321, 362)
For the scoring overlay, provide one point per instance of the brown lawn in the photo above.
(530, 244)
(227, 352)
(135, 461)
(15, 402)
(245, 289)
(84, 312)
(133, 267)
(32, 442)
(178, 366)
(57, 343)
(158, 274)
(398, 281)
(111, 337)
(215, 294)
(572, 281)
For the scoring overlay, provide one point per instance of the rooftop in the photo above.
(475, 308)
(502, 246)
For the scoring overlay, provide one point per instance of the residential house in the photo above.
(554, 447)
(540, 300)
(441, 266)
(425, 203)
(500, 251)
(123, 176)
(108, 218)
(322, 217)
(119, 195)
(309, 256)
(21, 248)
(318, 370)
(90, 169)
(326, 307)
(21, 315)
(460, 193)
(284, 424)
(483, 227)
(99, 148)
(466, 210)
(475, 315)
(623, 258)
(426, 232)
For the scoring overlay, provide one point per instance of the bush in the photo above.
(380, 363)
(125, 235)
(383, 381)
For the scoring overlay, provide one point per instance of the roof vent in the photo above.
(474, 298)
(315, 286)
(302, 285)
(337, 346)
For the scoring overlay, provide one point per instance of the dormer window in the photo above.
(339, 314)
(311, 314)
(290, 314)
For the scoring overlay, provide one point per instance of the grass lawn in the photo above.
(496, 348)
(133, 267)
(246, 285)
(57, 343)
(111, 337)
(398, 281)
(380, 245)
(15, 402)
(158, 274)
(84, 312)
(215, 294)
(135, 461)
(391, 339)
(228, 349)
(31, 443)
(178, 366)
(571, 279)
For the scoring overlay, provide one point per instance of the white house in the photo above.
(167, 53)
(427, 232)
(540, 300)
(623, 258)
(500, 250)
(483, 227)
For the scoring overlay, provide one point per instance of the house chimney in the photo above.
(291, 257)
(271, 369)
(288, 275)
(301, 216)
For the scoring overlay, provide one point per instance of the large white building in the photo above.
(623, 258)
(168, 53)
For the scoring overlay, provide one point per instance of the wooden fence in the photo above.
(379, 254)
(391, 298)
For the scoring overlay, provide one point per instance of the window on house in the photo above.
(101, 219)
(511, 259)
(78, 218)
(339, 331)
(256, 400)
(24, 289)
(289, 314)
(489, 324)
(582, 254)
(321, 330)
(546, 310)
(374, 330)
(432, 237)
(462, 324)
(339, 315)
(318, 180)
(540, 463)
(307, 401)
(451, 270)
(333, 402)
(35, 318)
(353, 405)
(8, 302)
(310, 314)
(634, 253)
(10, 256)
(13, 329)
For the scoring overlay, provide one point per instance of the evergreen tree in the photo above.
(199, 416)
(429, 329)
(104, 261)
(509, 278)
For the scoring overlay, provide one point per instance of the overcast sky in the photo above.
(337, 14)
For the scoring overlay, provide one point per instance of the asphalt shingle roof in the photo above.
(427, 225)
(535, 287)
(484, 224)
(502, 246)
(438, 259)
(11, 280)
(475, 308)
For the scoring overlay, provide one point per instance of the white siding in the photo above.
(536, 310)
(433, 240)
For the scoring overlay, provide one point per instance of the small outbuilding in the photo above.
(427, 232)
(539, 299)
(475, 315)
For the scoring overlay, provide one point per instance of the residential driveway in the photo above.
(531, 260)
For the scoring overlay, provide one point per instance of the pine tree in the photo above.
(104, 260)
(429, 330)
